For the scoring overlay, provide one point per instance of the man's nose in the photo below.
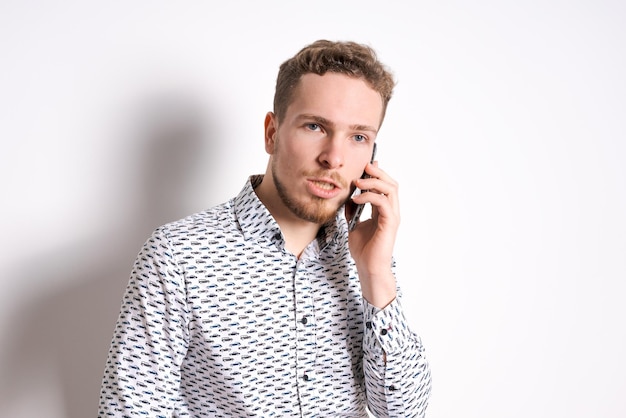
(333, 153)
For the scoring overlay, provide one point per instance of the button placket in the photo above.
(306, 339)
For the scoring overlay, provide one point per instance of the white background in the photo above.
(507, 135)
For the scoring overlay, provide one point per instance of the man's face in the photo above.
(323, 143)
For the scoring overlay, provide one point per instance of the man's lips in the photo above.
(323, 187)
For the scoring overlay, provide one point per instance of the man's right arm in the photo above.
(142, 374)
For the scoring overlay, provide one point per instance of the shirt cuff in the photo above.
(386, 328)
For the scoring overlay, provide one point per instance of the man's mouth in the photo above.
(324, 185)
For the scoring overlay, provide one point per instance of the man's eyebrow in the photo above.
(323, 121)
(364, 128)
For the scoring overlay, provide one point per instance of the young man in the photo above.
(267, 305)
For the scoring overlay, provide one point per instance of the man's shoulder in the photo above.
(219, 219)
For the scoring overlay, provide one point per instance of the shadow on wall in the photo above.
(61, 340)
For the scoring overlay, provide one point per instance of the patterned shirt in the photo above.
(220, 320)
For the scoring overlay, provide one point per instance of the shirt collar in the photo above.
(257, 222)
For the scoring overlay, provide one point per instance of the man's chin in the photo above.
(318, 217)
(317, 213)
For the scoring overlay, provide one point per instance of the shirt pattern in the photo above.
(220, 320)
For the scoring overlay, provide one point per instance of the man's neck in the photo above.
(298, 236)
(297, 232)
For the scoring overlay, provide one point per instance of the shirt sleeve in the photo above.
(397, 374)
(142, 373)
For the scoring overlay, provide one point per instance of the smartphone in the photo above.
(359, 208)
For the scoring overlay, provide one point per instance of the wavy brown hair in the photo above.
(322, 56)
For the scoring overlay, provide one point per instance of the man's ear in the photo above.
(271, 127)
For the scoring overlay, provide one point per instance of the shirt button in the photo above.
(368, 325)
(383, 332)
(277, 236)
(305, 377)
(392, 388)
(304, 320)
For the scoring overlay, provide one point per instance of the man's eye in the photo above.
(313, 126)
(360, 138)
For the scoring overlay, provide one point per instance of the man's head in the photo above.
(348, 58)
(330, 102)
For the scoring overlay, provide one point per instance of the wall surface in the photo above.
(507, 134)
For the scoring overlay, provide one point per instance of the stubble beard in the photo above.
(317, 210)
